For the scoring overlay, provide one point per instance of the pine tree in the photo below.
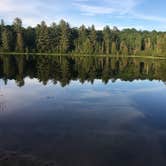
(61, 38)
(93, 39)
(54, 37)
(82, 37)
(107, 39)
(1, 30)
(42, 38)
(19, 35)
(6, 40)
(64, 43)
(29, 39)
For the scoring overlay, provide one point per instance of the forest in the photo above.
(61, 38)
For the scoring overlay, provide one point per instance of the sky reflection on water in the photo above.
(118, 123)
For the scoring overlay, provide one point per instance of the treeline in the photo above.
(64, 69)
(61, 38)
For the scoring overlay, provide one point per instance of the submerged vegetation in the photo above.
(61, 38)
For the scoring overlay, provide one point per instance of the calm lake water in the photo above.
(82, 111)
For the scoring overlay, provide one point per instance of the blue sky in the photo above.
(140, 14)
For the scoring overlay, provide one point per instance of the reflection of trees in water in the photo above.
(2, 102)
(63, 69)
(2, 106)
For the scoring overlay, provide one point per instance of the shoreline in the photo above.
(86, 55)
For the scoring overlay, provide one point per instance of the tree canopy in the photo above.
(62, 38)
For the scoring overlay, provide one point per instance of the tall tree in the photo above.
(54, 33)
(19, 34)
(1, 30)
(64, 43)
(61, 38)
(6, 40)
(29, 39)
(43, 38)
(82, 37)
(93, 39)
(107, 39)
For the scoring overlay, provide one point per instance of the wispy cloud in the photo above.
(106, 7)
(32, 12)
(128, 13)
(93, 10)
(148, 17)
(117, 7)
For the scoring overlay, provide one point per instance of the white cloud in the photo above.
(118, 12)
(32, 12)
(18, 6)
(148, 17)
(93, 10)
(106, 7)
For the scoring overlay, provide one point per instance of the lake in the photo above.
(82, 111)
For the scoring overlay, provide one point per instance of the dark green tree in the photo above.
(93, 39)
(65, 34)
(61, 38)
(6, 40)
(19, 35)
(43, 38)
(107, 39)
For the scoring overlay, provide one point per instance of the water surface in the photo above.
(82, 111)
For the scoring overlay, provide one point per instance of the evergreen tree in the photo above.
(61, 38)
(29, 39)
(93, 39)
(82, 37)
(54, 33)
(64, 43)
(19, 35)
(6, 40)
(42, 38)
(107, 39)
(1, 30)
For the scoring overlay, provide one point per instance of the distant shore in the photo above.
(86, 55)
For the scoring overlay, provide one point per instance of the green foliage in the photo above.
(42, 38)
(6, 40)
(29, 39)
(64, 42)
(61, 38)
(107, 39)
(54, 33)
(17, 24)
